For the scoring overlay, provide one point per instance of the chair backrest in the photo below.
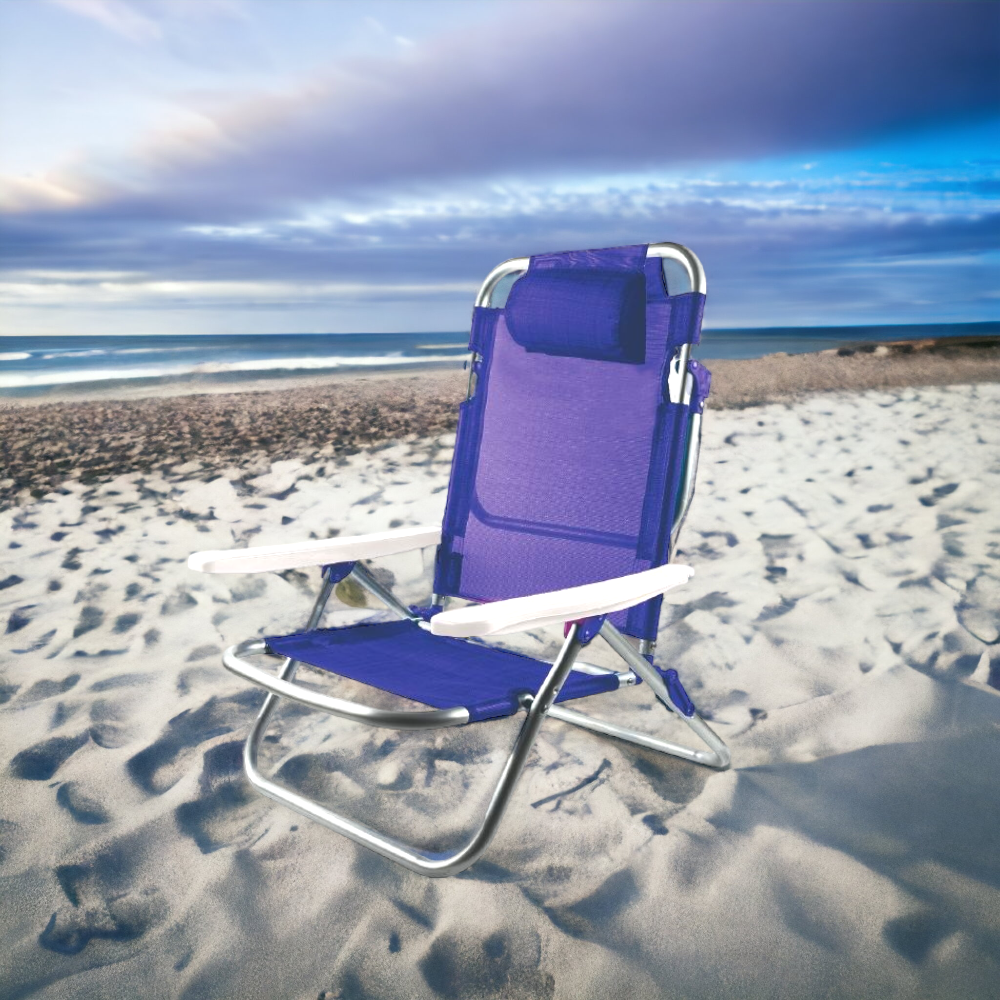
(570, 454)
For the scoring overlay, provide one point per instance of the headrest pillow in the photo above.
(580, 313)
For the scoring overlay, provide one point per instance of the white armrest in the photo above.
(267, 558)
(521, 613)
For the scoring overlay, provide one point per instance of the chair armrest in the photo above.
(517, 614)
(321, 552)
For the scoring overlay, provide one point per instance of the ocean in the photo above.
(31, 366)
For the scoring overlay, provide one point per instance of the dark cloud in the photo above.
(578, 87)
(562, 90)
(751, 231)
(584, 87)
(769, 259)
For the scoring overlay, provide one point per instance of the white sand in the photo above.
(841, 631)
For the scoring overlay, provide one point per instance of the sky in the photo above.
(279, 166)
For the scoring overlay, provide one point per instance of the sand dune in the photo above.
(841, 632)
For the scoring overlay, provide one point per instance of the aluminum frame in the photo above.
(680, 384)
(677, 252)
(537, 706)
(436, 864)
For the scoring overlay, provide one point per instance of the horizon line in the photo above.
(462, 333)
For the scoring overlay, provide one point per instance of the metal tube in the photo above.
(684, 355)
(286, 673)
(706, 757)
(690, 476)
(637, 662)
(671, 251)
(686, 258)
(389, 719)
(431, 863)
(501, 271)
(718, 757)
(723, 758)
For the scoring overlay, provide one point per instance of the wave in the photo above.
(41, 379)
(154, 350)
(93, 353)
(15, 356)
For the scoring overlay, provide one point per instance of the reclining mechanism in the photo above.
(574, 468)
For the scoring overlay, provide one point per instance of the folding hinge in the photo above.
(335, 572)
(678, 384)
(680, 698)
(589, 627)
(425, 614)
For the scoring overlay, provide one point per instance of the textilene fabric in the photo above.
(568, 470)
(404, 659)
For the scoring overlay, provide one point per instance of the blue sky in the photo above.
(267, 166)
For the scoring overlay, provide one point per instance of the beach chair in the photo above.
(574, 468)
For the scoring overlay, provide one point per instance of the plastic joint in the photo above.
(426, 614)
(680, 698)
(589, 627)
(335, 572)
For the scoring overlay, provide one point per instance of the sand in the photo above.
(841, 632)
(783, 377)
(43, 444)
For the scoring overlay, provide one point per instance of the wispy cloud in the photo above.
(81, 289)
(119, 16)
(145, 22)
(584, 87)
(776, 253)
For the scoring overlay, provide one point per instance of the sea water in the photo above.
(40, 365)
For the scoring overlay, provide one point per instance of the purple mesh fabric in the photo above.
(685, 319)
(614, 259)
(567, 469)
(404, 659)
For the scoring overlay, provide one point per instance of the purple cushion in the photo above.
(574, 313)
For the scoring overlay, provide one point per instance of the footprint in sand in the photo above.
(160, 765)
(103, 900)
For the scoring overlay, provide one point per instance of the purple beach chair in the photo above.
(574, 468)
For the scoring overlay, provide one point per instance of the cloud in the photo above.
(581, 87)
(145, 22)
(535, 134)
(118, 16)
(464, 232)
(776, 254)
(59, 290)
(23, 194)
(573, 88)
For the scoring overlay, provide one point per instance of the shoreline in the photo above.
(216, 384)
(736, 381)
(45, 442)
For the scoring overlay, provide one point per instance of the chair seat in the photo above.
(406, 660)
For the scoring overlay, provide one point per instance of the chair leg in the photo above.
(431, 863)
(717, 755)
